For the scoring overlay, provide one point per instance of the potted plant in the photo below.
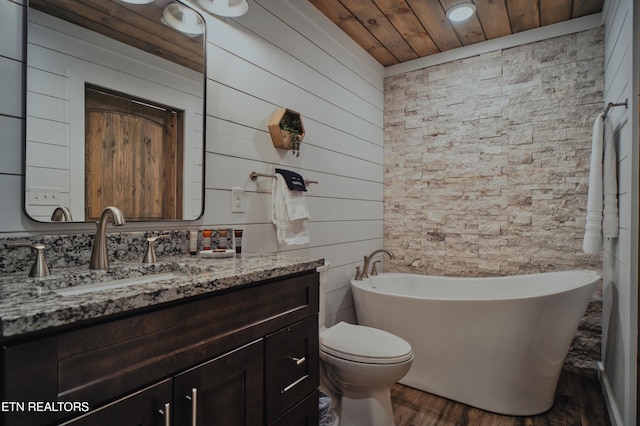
(286, 130)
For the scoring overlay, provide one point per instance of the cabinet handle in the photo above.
(167, 414)
(194, 406)
(299, 361)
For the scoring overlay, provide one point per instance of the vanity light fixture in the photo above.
(229, 8)
(183, 19)
(461, 11)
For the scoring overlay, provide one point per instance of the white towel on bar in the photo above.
(289, 213)
(602, 180)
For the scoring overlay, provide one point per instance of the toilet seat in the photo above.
(363, 344)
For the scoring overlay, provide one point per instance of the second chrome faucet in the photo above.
(99, 256)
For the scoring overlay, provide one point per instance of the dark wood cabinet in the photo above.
(228, 389)
(305, 413)
(292, 367)
(149, 407)
(247, 356)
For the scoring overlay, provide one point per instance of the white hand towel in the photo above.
(592, 237)
(295, 201)
(289, 213)
(610, 184)
(603, 188)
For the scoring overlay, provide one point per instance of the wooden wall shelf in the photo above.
(281, 121)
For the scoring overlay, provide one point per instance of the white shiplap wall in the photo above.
(273, 56)
(618, 368)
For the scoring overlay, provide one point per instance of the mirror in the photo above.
(115, 101)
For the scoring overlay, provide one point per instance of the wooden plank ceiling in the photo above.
(139, 26)
(395, 31)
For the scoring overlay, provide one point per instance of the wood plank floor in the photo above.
(578, 402)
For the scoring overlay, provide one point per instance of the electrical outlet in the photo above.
(237, 200)
(40, 196)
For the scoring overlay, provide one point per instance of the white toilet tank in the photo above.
(324, 276)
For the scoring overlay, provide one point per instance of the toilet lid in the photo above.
(364, 344)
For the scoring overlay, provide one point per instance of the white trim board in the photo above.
(615, 416)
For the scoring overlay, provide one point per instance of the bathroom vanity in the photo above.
(233, 341)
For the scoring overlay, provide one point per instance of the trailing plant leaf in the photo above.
(295, 144)
(292, 125)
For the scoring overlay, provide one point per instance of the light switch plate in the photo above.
(237, 200)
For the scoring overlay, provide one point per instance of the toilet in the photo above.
(358, 364)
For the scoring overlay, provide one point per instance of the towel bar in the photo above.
(254, 176)
(611, 105)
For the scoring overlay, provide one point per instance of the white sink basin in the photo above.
(108, 285)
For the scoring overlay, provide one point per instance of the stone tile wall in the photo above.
(487, 162)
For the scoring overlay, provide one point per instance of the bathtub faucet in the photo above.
(367, 261)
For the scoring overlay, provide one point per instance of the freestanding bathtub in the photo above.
(493, 343)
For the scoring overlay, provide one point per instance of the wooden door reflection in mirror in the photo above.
(133, 156)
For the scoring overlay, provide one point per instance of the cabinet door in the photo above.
(148, 407)
(228, 390)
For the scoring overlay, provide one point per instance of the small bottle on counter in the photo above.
(193, 242)
(237, 238)
(222, 239)
(206, 239)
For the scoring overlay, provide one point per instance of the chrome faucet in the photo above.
(61, 213)
(40, 267)
(150, 253)
(99, 258)
(374, 271)
(367, 260)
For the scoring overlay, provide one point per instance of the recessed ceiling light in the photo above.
(461, 11)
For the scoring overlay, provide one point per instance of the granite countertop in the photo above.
(32, 304)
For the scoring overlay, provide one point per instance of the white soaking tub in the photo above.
(493, 343)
